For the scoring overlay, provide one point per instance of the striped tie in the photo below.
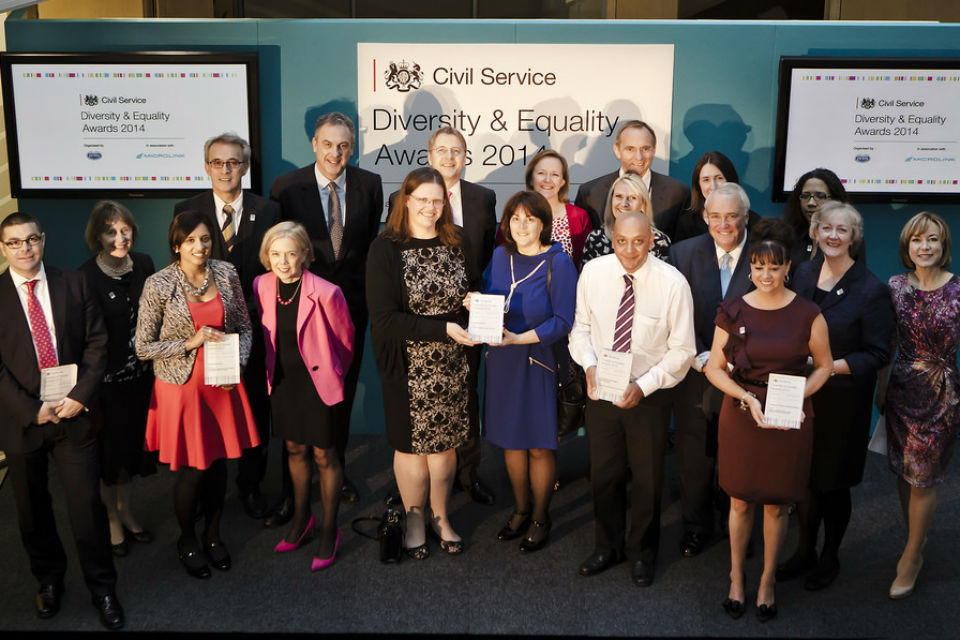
(621, 335)
(229, 231)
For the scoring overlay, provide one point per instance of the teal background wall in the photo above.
(725, 98)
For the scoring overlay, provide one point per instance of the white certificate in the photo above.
(56, 382)
(784, 406)
(221, 361)
(613, 374)
(486, 318)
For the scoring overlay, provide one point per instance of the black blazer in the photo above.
(479, 206)
(258, 215)
(299, 198)
(696, 259)
(81, 339)
(669, 197)
(859, 315)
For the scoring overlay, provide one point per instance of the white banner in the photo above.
(509, 101)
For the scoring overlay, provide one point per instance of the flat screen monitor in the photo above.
(123, 124)
(888, 127)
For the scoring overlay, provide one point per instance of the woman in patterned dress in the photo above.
(923, 403)
(547, 174)
(417, 276)
(627, 193)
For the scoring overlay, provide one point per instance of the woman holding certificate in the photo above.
(923, 395)
(195, 425)
(627, 193)
(859, 315)
(309, 345)
(417, 276)
(770, 330)
(539, 285)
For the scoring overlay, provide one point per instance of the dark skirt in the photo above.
(841, 431)
(124, 407)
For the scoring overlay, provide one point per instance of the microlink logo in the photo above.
(928, 159)
(162, 156)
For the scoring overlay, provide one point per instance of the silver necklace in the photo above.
(189, 288)
(114, 270)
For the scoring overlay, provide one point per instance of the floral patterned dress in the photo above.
(923, 396)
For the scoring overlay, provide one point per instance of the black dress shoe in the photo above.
(693, 543)
(348, 492)
(111, 613)
(193, 562)
(122, 549)
(734, 608)
(642, 573)
(218, 554)
(537, 536)
(765, 613)
(143, 536)
(599, 562)
(281, 514)
(481, 493)
(254, 504)
(508, 532)
(48, 600)
(823, 576)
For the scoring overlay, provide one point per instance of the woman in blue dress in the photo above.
(539, 283)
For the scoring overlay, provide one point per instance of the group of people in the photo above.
(702, 297)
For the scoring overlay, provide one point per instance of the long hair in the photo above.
(721, 162)
(793, 211)
(398, 222)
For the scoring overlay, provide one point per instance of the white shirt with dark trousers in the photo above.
(662, 343)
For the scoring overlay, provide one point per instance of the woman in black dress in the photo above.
(116, 274)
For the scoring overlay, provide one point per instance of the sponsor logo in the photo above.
(91, 101)
(403, 76)
(162, 156)
(862, 157)
(867, 103)
(929, 159)
(94, 155)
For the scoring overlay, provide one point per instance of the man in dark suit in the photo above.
(717, 267)
(340, 206)
(635, 147)
(242, 219)
(51, 320)
(475, 211)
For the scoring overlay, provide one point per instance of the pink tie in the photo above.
(38, 327)
(624, 326)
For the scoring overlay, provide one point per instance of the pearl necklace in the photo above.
(115, 270)
(295, 291)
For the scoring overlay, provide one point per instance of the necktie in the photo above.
(624, 326)
(46, 354)
(334, 221)
(228, 230)
(726, 272)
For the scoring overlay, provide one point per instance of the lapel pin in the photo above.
(743, 330)
(839, 292)
(112, 295)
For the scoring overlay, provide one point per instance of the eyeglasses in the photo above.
(456, 152)
(819, 196)
(16, 243)
(426, 202)
(232, 165)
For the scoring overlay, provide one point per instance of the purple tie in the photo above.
(621, 335)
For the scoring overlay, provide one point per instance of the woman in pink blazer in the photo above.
(309, 345)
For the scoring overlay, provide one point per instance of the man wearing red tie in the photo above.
(50, 322)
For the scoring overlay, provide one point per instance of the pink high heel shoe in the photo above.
(323, 564)
(283, 546)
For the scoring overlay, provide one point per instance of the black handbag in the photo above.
(389, 534)
(572, 394)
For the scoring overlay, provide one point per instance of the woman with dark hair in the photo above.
(548, 175)
(859, 316)
(812, 190)
(712, 169)
(769, 330)
(116, 274)
(922, 405)
(627, 193)
(195, 426)
(417, 277)
(539, 283)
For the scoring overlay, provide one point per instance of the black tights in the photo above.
(833, 508)
(206, 486)
(331, 479)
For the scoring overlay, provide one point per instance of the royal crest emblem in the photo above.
(91, 101)
(404, 76)
(867, 103)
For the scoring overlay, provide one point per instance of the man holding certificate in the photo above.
(633, 335)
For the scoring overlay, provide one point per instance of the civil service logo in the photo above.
(867, 103)
(91, 101)
(403, 76)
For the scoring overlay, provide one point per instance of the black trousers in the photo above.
(468, 454)
(78, 466)
(695, 449)
(620, 437)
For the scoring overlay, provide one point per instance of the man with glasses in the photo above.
(242, 218)
(53, 352)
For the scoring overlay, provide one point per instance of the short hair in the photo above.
(183, 224)
(397, 228)
(228, 138)
(635, 124)
(532, 166)
(103, 215)
(637, 187)
(447, 130)
(916, 225)
(730, 190)
(19, 217)
(792, 210)
(853, 217)
(336, 118)
(535, 205)
(287, 229)
(771, 241)
(720, 161)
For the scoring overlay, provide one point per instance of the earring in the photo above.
(750, 277)
(786, 278)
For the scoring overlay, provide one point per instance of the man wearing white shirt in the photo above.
(630, 304)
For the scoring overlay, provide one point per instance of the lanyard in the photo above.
(514, 283)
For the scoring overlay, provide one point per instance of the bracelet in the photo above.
(743, 401)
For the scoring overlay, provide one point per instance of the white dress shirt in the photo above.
(662, 338)
(323, 184)
(734, 254)
(42, 291)
(456, 204)
(237, 211)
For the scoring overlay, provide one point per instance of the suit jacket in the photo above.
(81, 340)
(299, 199)
(165, 323)
(258, 215)
(859, 315)
(669, 197)
(696, 259)
(324, 332)
(479, 206)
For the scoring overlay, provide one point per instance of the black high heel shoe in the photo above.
(537, 536)
(193, 562)
(767, 612)
(508, 532)
(734, 608)
(143, 536)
